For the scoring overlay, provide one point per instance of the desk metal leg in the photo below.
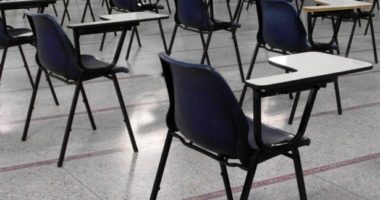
(65, 11)
(351, 37)
(163, 36)
(87, 5)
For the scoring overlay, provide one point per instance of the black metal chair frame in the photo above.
(11, 43)
(79, 86)
(261, 44)
(289, 149)
(134, 29)
(206, 42)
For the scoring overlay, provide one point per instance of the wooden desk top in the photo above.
(135, 16)
(308, 67)
(23, 4)
(336, 5)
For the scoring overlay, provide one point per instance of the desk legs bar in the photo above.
(351, 37)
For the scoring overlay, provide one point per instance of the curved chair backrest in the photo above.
(3, 34)
(281, 27)
(193, 14)
(130, 5)
(55, 52)
(203, 107)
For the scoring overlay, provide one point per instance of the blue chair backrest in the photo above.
(192, 13)
(55, 52)
(203, 107)
(3, 36)
(281, 26)
(130, 5)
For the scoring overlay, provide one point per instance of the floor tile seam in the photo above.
(339, 186)
(290, 176)
(82, 183)
(159, 75)
(165, 101)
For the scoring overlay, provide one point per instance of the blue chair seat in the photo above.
(18, 36)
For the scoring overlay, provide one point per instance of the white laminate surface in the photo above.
(336, 5)
(310, 65)
(135, 16)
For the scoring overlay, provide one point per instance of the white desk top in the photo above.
(336, 5)
(135, 16)
(309, 66)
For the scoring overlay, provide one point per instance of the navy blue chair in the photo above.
(197, 16)
(12, 37)
(285, 35)
(57, 56)
(131, 6)
(205, 112)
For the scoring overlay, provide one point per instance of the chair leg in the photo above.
(337, 95)
(26, 65)
(137, 36)
(55, 10)
(249, 73)
(102, 43)
(3, 60)
(299, 174)
(229, 9)
(161, 166)
(172, 39)
(351, 37)
(69, 124)
(205, 45)
(51, 89)
(248, 180)
(294, 108)
(373, 39)
(366, 28)
(31, 105)
(130, 44)
(226, 181)
(88, 108)
(240, 65)
(124, 111)
(169, 9)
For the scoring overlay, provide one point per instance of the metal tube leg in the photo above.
(229, 9)
(137, 36)
(240, 65)
(172, 39)
(351, 37)
(294, 108)
(85, 11)
(130, 45)
(249, 73)
(162, 36)
(373, 39)
(3, 60)
(226, 181)
(88, 108)
(366, 28)
(125, 114)
(205, 45)
(299, 174)
(169, 9)
(161, 166)
(337, 95)
(69, 124)
(51, 88)
(26, 65)
(91, 11)
(102, 43)
(55, 10)
(31, 105)
(248, 180)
